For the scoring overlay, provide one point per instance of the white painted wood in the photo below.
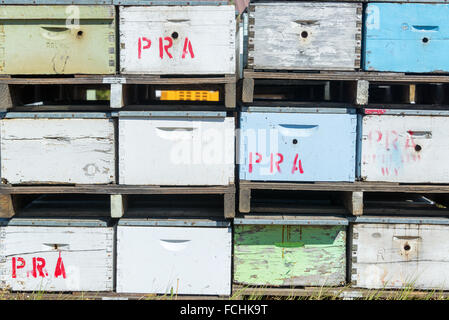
(383, 261)
(57, 151)
(211, 31)
(119, 204)
(188, 151)
(405, 149)
(305, 35)
(86, 254)
(181, 260)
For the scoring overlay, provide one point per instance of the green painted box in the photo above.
(57, 39)
(290, 252)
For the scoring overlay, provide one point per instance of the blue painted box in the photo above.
(297, 145)
(406, 37)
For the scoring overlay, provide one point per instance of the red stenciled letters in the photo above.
(139, 46)
(60, 270)
(38, 268)
(163, 47)
(187, 45)
(297, 167)
(16, 266)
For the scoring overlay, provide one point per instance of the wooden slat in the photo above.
(344, 186)
(114, 189)
(347, 76)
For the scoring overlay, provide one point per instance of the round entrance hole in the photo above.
(174, 35)
(295, 141)
(407, 247)
(425, 40)
(304, 34)
(418, 148)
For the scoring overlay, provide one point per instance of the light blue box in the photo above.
(406, 37)
(297, 146)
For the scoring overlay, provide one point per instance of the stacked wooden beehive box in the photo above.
(115, 116)
(127, 126)
(343, 169)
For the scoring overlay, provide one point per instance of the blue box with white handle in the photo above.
(297, 144)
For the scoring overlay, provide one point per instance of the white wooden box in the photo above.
(55, 149)
(405, 148)
(56, 255)
(400, 252)
(181, 257)
(304, 35)
(194, 148)
(178, 39)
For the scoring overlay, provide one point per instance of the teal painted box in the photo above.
(406, 37)
(290, 252)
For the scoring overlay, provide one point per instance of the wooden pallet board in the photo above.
(121, 93)
(396, 89)
(14, 198)
(351, 195)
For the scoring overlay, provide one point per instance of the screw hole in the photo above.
(304, 34)
(295, 141)
(174, 35)
(425, 40)
(418, 148)
(407, 247)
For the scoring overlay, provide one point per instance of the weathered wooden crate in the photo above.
(56, 255)
(57, 39)
(290, 251)
(400, 252)
(405, 146)
(192, 256)
(305, 36)
(57, 148)
(281, 144)
(406, 37)
(178, 40)
(176, 148)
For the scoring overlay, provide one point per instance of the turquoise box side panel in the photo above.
(407, 37)
(297, 146)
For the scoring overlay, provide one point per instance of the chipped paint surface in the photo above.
(57, 150)
(397, 255)
(289, 255)
(405, 149)
(301, 36)
(37, 40)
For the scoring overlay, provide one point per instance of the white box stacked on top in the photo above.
(184, 40)
(56, 255)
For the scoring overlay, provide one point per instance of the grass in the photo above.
(246, 293)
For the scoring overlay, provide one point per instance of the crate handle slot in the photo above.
(297, 130)
(176, 128)
(426, 28)
(409, 238)
(55, 29)
(174, 245)
(178, 20)
(57, 246)
(420, 134)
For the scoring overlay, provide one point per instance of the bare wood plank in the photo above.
(248, 90)
(113, 189)
(347, 76)
(353, 201)
(244, 200)
(229, 205)
(230, 95)
(6, 99)
(348, 186)
(10, 205)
